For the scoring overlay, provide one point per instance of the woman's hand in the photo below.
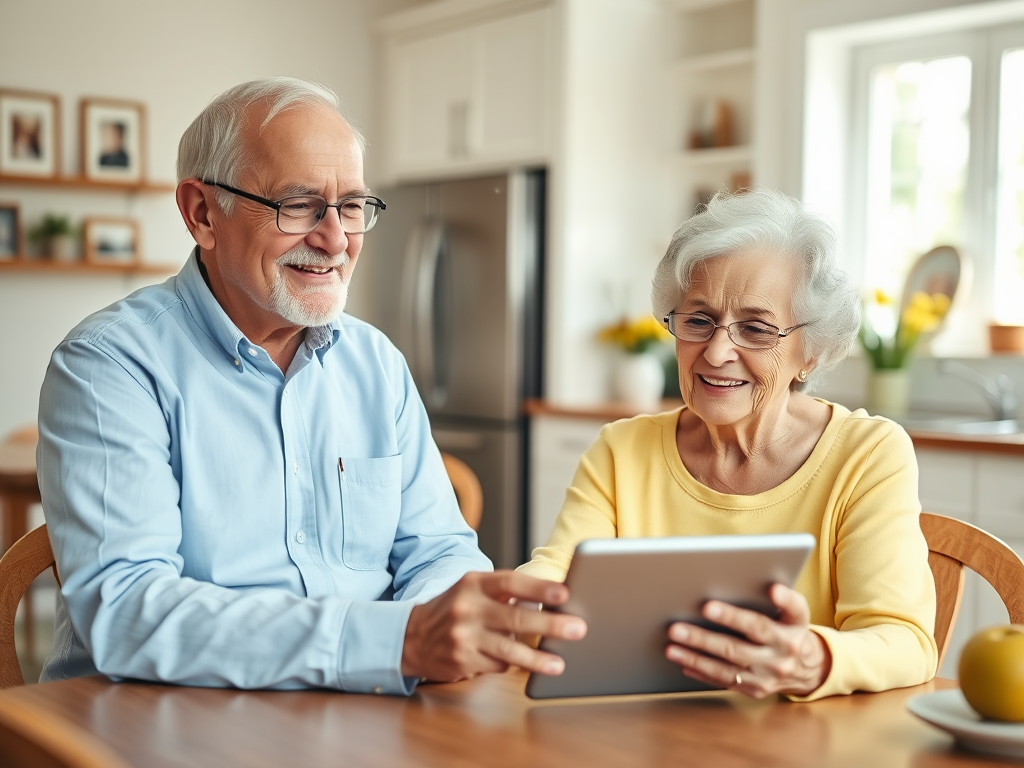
(782, 656)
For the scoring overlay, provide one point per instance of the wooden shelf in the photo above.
(717, 155)
(688, 6)
(736, 57)
(79, 182)
(49, 266)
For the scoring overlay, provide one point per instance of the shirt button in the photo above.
(378, 689)
(252, 351)
(300, 537)
(295, 468)
(236, 361)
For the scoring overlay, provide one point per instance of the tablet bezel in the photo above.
(609, 584)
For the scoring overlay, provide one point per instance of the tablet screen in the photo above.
(630, 590)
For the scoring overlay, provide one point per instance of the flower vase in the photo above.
(888, 391)
(639, 380)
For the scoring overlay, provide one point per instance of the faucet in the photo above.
(998, 392)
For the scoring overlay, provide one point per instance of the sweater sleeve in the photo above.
(588, 512)
(885, 594)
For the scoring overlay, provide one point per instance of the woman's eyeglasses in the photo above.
(749, 334)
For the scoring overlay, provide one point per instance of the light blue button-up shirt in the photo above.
(216, 522)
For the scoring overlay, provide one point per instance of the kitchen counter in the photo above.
(611, 411)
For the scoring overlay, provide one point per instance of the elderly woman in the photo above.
(753, 293)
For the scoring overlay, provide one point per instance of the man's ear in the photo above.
(194, 205)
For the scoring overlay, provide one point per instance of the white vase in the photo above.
(62, 248)
(888, 391)
(639, 380)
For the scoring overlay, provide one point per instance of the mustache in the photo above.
(304, 256)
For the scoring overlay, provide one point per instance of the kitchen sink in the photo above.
(961, 425)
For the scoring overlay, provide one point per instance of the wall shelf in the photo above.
(49, 266)
(688, 6)
(81, 183)
(717, 155)
(719, 60)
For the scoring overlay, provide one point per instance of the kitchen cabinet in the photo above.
(713, 79)
(469, 98)
(984, 490)
(556, 444)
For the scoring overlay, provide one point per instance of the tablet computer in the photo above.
(630, 590)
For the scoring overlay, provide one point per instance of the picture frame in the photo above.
(10, 232)
(111, 240)
(113, 140)
(29, 134)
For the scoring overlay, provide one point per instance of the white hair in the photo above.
(212, 148)
(772, 223)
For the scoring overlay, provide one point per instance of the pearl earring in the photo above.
(802, 376)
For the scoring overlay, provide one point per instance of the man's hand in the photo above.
(471, 628)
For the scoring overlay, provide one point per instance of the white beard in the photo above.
(309, 307)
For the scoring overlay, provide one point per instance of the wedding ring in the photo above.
(739, 680)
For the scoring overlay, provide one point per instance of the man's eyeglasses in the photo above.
(749, 334)
(300, 214)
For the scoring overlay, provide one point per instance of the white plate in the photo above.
(950, 711)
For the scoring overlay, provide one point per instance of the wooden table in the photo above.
(490, 722)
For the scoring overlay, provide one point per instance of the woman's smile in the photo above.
(720, 383)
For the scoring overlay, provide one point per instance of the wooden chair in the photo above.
(31, 737)
(467, 489)
(18, 492)
(29, 557)
(953, 544)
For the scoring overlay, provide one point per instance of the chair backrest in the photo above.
(953, 544)
(27, 434)
(32, 737)
(467, 490)
(29, 557)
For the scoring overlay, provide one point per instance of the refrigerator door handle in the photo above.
(417, 312)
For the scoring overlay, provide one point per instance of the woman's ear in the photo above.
(194, 205)
(805, 371)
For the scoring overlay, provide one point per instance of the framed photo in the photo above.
(29, 126)
(10, 232)
(113, 140)
(111, 240)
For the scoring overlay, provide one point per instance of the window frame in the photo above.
(965, 331)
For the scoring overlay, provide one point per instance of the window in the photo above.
(937, 140)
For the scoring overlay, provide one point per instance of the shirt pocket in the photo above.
(371, 503)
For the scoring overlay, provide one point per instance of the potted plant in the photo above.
(639, 378)
(888, 339)
(56, 237)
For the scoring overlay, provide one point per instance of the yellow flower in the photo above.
(635, 335)
(925, 312)
(882, 298)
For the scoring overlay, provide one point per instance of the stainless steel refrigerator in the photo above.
(459, 276)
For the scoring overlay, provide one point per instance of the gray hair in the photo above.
(212, 147)
(766, 220)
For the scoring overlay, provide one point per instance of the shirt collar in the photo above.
(212, 318)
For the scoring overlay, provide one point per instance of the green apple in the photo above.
(992, 672)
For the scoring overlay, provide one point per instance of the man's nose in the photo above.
(329, 235)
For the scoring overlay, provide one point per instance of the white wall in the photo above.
(174, 57)
(608, 226)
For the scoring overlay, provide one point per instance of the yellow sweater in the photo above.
(868, 584)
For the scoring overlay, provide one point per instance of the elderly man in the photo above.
(239, 480)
